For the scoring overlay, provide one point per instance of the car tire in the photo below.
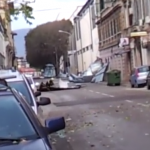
(148, 86)
(136, 85)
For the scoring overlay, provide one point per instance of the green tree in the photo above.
(23, 8)
(44, 44)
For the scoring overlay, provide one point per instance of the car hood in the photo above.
(27, 145)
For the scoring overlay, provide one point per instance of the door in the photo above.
(132, 76)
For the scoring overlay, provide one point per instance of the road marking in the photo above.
(98, 92)
(144, 105)
(91, 91)
(129, 101)
(107, 95)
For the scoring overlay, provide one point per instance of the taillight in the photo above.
(137, 73)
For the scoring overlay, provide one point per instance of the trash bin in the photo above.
(113, 77)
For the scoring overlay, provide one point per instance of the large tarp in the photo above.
(99, 76)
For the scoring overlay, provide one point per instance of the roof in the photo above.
(85, 6)
(7, 73)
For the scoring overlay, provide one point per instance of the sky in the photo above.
(60, 9)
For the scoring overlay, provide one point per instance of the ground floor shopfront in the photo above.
(118, 58)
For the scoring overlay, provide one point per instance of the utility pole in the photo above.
(56, 60)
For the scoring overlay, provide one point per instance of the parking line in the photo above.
(129, 101)
(107, 95)
(91, 91)
(144, 105)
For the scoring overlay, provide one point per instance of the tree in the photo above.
(23, 8)
(44, 44)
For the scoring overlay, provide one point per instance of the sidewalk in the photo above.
(126, 84)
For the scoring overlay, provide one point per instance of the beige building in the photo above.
(112, 23)
(8, 46)
(86, 36)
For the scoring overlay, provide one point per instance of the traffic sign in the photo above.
(123, 42)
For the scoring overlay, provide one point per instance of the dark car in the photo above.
(20, 128)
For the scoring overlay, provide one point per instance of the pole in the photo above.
(56, 59)
(91, 35)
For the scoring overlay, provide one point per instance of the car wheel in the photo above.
(148, 86)
(136, 85)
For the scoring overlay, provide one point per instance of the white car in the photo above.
(32, 83)
(19, 82)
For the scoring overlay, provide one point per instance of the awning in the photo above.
(122, 52)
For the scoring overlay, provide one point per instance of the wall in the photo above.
(95, 44)
(2, 50)
(86, 37)
(8, 40)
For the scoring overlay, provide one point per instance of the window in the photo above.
(21, 87)
(114, 25)
(78, 30)
(102, 5)
(93, 16)
(10, 113)
(111, 29)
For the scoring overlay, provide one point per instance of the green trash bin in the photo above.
(113, 78)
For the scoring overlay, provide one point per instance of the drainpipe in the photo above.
(91, 35)
(81, 53)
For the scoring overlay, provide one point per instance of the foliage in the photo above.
(44, 44)
(24, 8)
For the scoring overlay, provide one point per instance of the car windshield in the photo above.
(13, 121)
(21, 87)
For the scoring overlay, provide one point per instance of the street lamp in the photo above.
(68, 33)
(61, 31)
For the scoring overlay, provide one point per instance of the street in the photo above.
(99, 117)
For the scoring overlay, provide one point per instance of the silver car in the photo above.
(19, 82)
(139, 75)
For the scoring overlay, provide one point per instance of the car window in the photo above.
(21, 87)
(13, 121)
(144, 69)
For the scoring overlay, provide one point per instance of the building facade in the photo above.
(112, 25)
(8, 46)
(140, 31)
(86, 36)
(73, 56)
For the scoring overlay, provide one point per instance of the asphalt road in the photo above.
(101, 118)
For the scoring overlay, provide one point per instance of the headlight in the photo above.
(52, 78)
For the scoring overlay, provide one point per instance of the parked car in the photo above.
(19, 82)
(20, 127)
(148, 81)
(139, 75)
(31, 82)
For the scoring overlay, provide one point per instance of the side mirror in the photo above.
(37, 93)
(55, 124)
(43, 101)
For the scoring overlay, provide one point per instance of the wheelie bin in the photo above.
(114, 77)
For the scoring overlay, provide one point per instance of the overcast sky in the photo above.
(60, 9)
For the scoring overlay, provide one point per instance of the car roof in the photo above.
(142, 66)
(17, 76)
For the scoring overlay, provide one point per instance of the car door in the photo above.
(148, 78)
